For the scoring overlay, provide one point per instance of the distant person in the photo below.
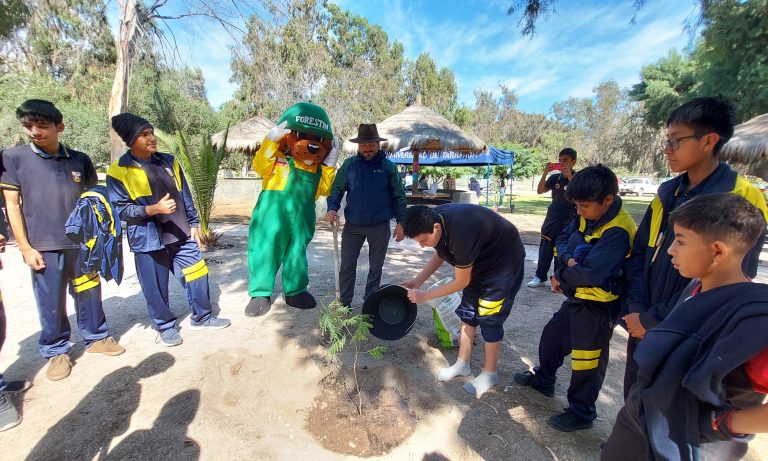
(375, 196)
(474, 186)
(449, 183)
(592, 250)
(502, 187)
(42, 182)
(559, 214)
(424, 182)
(488, 257)
(152, 196)
(696, 132)
(702, 373)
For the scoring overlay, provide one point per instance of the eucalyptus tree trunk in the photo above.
(118, 100)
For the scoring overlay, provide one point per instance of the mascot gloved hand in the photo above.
(294, 162)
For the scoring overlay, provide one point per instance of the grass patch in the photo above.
(527, 204)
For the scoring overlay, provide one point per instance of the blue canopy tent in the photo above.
(491, 156)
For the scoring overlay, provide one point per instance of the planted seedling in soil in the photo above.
(342, 329)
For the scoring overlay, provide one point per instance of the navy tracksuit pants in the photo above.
(554, 223)
(187, 264)
(352, 239)
(582, 329)
(62, 270)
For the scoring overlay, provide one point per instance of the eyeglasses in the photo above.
(674, 143)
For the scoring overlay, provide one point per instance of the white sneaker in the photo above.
(548, 284)
(535, 282)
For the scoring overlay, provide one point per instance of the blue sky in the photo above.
(574, 49)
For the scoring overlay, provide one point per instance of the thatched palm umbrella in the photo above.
(420, 129)
(749, 146)
(244, 137)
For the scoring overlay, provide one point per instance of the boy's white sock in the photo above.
(460, 368)
(482, 384)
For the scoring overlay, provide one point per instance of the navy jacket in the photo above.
(685, 365)
(654, 284)
(95, 226)
(130, 192)
(374, 191)
(599, 248)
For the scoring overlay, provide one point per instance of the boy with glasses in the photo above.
(696, 131)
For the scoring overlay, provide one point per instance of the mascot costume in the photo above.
(297, 161)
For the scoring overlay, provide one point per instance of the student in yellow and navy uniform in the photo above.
(592, 250)
(151, 195)
(50, 178)
(696, 131)
(488, 258)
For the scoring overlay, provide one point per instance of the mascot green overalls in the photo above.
(297, 163)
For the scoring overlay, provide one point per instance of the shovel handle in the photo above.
(335, 228)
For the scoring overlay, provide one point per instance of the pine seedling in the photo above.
(341, 328)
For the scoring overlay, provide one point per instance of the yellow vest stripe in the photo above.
(133, 178)
(657, 211)
(107, 205)
(752, 194)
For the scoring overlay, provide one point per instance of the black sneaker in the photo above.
(569, 422)
(9, 417)
(528, 379)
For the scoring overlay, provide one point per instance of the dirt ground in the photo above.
(251, 391)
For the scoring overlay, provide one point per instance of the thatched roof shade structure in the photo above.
(246, 136)
(749, 142)
(749, 146)
(420, 129)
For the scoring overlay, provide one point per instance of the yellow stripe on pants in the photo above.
(86, 282)
(489, 307)
(195, 271)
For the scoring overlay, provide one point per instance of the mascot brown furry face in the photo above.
(305, 147)
(297, 161)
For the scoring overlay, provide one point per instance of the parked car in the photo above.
(638, 186)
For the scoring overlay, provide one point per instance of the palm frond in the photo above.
(200, 168)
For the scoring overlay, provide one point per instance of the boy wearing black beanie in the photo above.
(152, 196)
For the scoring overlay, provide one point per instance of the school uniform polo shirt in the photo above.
(50, 186)
(558, 183)
(478, 237)
(162, 180)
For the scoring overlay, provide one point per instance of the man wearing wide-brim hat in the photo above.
(375, 196)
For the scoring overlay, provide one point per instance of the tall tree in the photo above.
(56, 37)
(486, 116)
(437, 87)
(664, 85)
(322, 53)
(608, 126)
(144, 23)
(733, 55)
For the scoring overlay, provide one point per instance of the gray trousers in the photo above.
(352, 239)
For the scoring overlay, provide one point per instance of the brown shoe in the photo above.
(106, 346)
(59, 367)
